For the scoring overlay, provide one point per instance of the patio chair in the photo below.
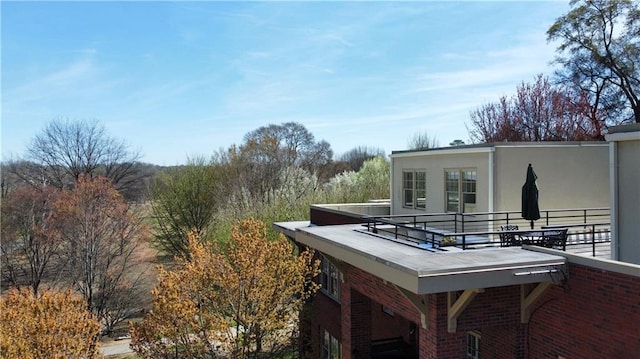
(508, 239)
(556, 239)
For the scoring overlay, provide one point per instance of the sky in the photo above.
(178, 80)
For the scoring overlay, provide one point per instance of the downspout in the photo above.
(613, 191)
(391, 181)
(491, 187)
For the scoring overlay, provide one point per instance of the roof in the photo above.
(422, 271)
(488, 147)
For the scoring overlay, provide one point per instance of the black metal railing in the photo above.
(473, 230)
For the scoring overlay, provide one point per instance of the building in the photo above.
(384, 296)
(489, 177)
(625, 192)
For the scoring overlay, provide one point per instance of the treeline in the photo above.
(273, 175)
(81, 216)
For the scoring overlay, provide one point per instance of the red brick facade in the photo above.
(595, 314)
(592, 314)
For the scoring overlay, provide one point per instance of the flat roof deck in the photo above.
(423, 271)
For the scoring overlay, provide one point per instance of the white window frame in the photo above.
(462, 189)
(331, 348)
(329, 278)
(473, 345)
(417, 190)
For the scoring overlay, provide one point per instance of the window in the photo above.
(414, 189)
(331, 348)
(473, 345)
(329, 278)
(460, 190)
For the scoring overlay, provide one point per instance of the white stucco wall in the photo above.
(570, 174)
(625, 193)
(435, 163)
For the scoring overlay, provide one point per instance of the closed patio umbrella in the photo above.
(530, 209)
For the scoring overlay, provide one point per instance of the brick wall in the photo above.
(493, 313)
(360, 325)
(595, 315)
(323, 217)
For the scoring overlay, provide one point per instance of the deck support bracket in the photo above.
(420, 302)
(528, 300)
(457, 304)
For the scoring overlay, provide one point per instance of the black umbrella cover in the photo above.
(530, 209)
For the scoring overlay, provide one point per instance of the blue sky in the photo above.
(181, 79)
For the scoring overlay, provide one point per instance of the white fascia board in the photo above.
(445, 151)
(623, 136)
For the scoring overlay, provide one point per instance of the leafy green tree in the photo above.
(185, 199)
(371, 182)
(358, 155)
(373, 179)
(600, 52)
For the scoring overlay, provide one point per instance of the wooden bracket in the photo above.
(456, 305)
(528, 300)
(420, 302)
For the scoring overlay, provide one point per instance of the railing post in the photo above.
(585, 216)
(593, 239)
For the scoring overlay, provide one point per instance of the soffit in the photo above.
(422, 271)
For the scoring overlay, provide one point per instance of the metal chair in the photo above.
(556, 239)
(508, 239)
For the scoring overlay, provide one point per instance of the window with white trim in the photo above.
(414, 189)
(329, 278)
(460, 190)
(473, 345)
(331, 347)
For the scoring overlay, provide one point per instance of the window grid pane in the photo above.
(326, 343)
(460, 190)
(473, 346)
(335, 348)
(329, 278)
(407, 185)
(469, 190)
(421, 189)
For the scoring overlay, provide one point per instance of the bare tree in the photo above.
(267, 153)
(422, 141)
(600, 52)
(537, 112)
(30, 240)
(102, 237)
(65, 150)
(359, 155)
